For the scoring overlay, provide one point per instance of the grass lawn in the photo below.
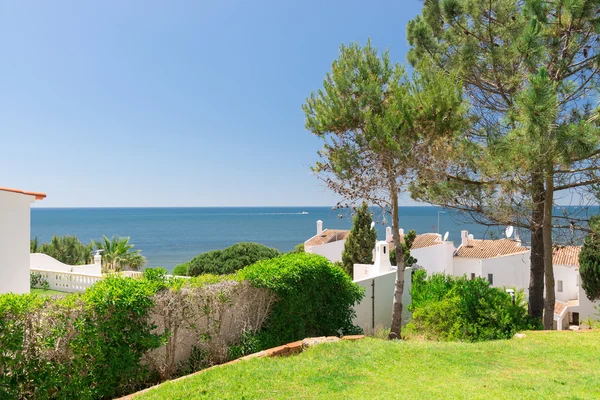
(48, 292)
(543, 365)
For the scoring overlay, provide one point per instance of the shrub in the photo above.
(315, 297)
(449, 308)
(181, 269)
(230, 259)
(37, 280)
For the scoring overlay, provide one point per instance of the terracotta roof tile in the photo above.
(427, 240)
(478, 248)
(328, 236)
(566, 255)
(559, 308)
(38, 195)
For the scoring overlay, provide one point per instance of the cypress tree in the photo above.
(360, 243)
(589, 261)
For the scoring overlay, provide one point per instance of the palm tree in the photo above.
(118, 254)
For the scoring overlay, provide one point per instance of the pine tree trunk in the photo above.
(536, 277)
(548, 267)
(396, 327)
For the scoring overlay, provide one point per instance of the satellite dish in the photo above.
(372, 224)
(509, 231)
(446, 236)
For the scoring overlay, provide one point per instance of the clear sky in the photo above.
(173, 103)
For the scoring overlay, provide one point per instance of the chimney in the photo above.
(471, 237)
(382, 258)
(464, 237)
(97, 259)
(388, 234)
(319, 228)
(401, 235)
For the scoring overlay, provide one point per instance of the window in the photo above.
(472, 275)
(559, 286)
(383, 249)
(491, 279)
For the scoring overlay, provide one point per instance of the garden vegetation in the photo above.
(124, 334)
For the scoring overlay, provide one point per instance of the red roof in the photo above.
(566, 255)
(38, 195)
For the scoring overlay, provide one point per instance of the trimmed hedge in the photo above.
(231, 259)
(456, 308)
(316, 298)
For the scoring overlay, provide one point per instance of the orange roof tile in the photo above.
(566, 255)
(328, 236)
(427, 240)
(38, 195)
(478, 248)
(559, 308)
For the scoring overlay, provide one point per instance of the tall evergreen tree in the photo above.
(378, 126)
(360, 243)
(520, 154)
(589, 262)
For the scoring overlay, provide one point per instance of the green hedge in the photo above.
(231, 259)
(82, 346)
(316, 297)
(456, 308)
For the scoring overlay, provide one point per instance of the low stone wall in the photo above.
(279, 351)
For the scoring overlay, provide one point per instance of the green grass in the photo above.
(48, 292)
(544, 365)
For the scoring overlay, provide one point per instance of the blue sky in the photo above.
(145, 103)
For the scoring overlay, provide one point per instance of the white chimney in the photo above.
(319, 228)
(464, 237)
(97, 259)
(401, 235)
(382, 258)
(388, 234)
(471, 237)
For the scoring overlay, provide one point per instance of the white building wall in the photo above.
(569, 278)
(467, 266)
(383, 302)
(586, 308)
(45, 262)
(510, 270)
(332, 251)
(14, 242)
(436, 259)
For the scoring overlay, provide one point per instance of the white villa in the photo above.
(15, 228)
(329, 242)
(503, 262)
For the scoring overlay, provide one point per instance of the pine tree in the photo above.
(360, 243)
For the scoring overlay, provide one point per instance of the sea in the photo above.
(170, 236)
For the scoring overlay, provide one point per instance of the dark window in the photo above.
(491, 279)
(472, 276)
(384, 250)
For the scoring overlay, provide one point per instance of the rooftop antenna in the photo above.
(509, 231)
(446, 235)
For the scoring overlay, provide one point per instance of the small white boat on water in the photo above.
(304, 213)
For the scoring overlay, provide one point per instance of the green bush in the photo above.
(449, 308)
(231, 259)
(83, 346)
(315, 297)
(181, 269)
(37, 280)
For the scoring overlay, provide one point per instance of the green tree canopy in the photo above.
(231, 259)
(530, 71)
(66, 249)
(378, 127)
(360, 243)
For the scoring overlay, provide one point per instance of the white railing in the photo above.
(67, 281)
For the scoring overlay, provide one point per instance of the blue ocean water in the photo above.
(171, 236)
